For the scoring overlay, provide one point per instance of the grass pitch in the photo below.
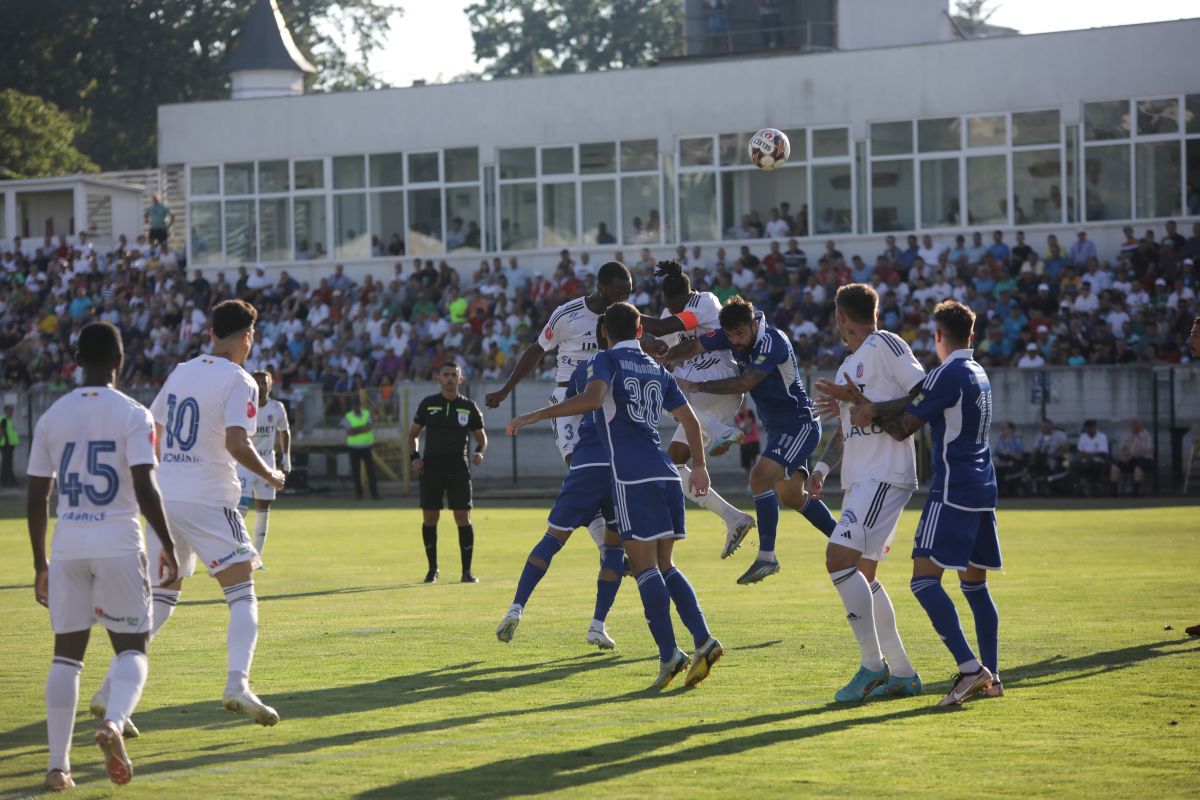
(390, 688)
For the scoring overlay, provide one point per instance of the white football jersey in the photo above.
(701, 315)
(271, 418)
(883, 368)
(88, 440)
(572, 330)
(200, 399)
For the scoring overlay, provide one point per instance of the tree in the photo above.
(971, 15)
(524, 37)
(35, 139)
(109, 64)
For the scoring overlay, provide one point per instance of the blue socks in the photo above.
(816, 512)
(612, 558)
(657, 604)
(766, 512)
(545, 550)
(942, 614)
(987, 622)
(687, 605)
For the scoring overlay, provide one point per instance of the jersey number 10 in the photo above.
(183, 422)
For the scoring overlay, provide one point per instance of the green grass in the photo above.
(389, 688)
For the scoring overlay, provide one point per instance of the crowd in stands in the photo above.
(1040, 304)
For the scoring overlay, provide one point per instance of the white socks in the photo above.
(709, 502)
(889, 636)
(260, 529)
(243, 626)
(62, 697)
(596, 530)
(126, 680)
(856, 597)
(164, 606)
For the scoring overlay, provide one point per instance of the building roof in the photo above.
(68, 182)
(264, 42)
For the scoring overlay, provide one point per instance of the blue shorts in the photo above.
(791, 449)
(586, 493)
(956, 539)
(649, 511)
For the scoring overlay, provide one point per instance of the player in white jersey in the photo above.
(879, 475)
(687, 315)
(271, 423)
(99, 444)
(204, 417)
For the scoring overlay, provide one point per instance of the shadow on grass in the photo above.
(266, 598)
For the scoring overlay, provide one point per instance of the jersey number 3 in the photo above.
(70, 485)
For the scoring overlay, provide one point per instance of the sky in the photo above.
(432, 41)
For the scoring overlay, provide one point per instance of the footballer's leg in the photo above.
(656, 601)
(737, 523)
(237, 582)
(466, 542)
(903, 680)
(841, 561)
(62, 697)
(612, 570)
(687, 606)
(536, 566)
(429, 523)
(973, 581)
(262, 514)
(766, 473)
(128, 674)
(792, 493)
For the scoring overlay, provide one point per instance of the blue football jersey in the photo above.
(588, 452)
(782, 403)
(639, 390)
(956, 401)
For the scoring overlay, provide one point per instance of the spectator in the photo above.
(1082, 250)
(1009, 459)
(1032, 358)
(158, 219)
(777, 226)
(1049, 458)
(929, 251)
(999, 250)
(1134, 457)
(1092, 456)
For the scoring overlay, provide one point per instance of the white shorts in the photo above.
(870, 513)
(254, 487)
(715, 412)
(216, 534)
(566, 429)
(113, 592)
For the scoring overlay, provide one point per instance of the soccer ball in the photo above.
(769, 149)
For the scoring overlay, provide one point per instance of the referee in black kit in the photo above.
(443, 470)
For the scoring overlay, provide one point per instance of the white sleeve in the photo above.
(158, 409)
(905, 370)
(241, 404)
(139, 438)
(41, 463)
(708, 312)
(551, 334)
(282, 425)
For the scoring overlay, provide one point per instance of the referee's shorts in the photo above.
(449, 482)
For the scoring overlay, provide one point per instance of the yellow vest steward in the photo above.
(12, 436)
(357, 421)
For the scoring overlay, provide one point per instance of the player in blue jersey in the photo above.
(631, 391)
(585, 492)
(958, 526)
(769, 372)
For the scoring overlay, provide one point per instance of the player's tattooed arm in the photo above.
(865, 413)
(682, 352)
(739, 384)
(656, 326)
(900, 426)
(834, 448)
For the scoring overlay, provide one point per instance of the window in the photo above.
(698, 206)
(1108, 120)
(639, 155)
(308, 226)
(424, 220)
(1192, 113)
(518, 163)
(462, 165)
(387, 169)
(598, 158)
(696, 152)
(735, 149)
(462, 219)
(387, 221)
(239, 230)
(348, 172)
(1157, 117)
(309, 174)
(423, 168)
(558, 215)
(937, 135)
(639, 204)
(599, 211)
(239, 179)
(205, 181)
(1159, 178)
(274, 229)
(939, 193)
(518, 216)
(987, 131)
(558, 160)
(987, 190)
(832, 199)
(1193, 177)
(350, 225)
(892, 192)
(750, 194)
(891, 139)
(205, 221)
(831, 143)
(273, 177)
(1106, 182)
(1035, 127)
(1037, 187)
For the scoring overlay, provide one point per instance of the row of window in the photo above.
(1130, 159)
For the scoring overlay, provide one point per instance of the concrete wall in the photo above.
(1054, 70)
(866, 24)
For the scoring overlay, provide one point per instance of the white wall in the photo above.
(127, 215)
(258, 83)
(1054, 70)
(864, 24)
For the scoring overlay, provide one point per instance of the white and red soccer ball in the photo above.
(769, 149)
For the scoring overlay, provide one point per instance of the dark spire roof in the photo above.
(264, 42)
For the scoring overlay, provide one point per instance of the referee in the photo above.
(444, 471)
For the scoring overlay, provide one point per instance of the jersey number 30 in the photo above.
(70, 485)
(645, 400)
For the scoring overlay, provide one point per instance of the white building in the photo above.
(40, 210)
(1086, 129)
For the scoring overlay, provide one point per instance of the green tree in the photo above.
(35, 139)
(971, 15)
(109, 64)
(524, 37)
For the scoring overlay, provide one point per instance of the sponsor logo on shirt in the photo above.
(858, 373)
(463, 416)
(251, 410)
(549, 333)
(849, 516)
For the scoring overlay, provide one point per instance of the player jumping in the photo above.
(958, 526)
(879, 475)
(633, 390)
(585, 492)
(271, 420)
(99, 444)
(770, 373)
(688, 315)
